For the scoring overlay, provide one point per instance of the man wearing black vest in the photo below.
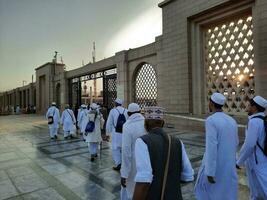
(161, 161)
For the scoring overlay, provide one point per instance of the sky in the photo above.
(32, 30)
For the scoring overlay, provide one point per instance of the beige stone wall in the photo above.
(42, 86)
(260, 38)
(178, 89)
(136, 58)
(46, 84)
(174, 71)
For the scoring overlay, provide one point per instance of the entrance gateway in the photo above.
(99, 87)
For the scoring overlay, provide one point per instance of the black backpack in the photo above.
(263, 149)
(90, 127)
(121, 120)
(51, 118)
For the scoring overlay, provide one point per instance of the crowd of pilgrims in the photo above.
(153, 164)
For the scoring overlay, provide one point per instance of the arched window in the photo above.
(145, 86)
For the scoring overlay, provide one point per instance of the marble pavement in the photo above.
(33, 167)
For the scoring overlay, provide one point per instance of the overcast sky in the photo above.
(31, 30)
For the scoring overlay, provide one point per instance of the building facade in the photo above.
(205, 46)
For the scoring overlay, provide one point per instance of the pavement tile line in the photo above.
(48, 180)
(54, 183)
(11, 180)
(92, 176)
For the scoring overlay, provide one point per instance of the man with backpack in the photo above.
(117, 117)
(53, 118)
(93, 130)
(253, 154)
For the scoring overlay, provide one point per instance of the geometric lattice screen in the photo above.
(229, 62)
(110, 89)
(146, 86)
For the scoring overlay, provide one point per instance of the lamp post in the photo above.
(53, 77)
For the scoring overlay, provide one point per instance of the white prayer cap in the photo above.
(218, 98)
(83, 106)
(94, 106)
(133, 107)
(118, 101)
(53, 103)
(153, 112)
(260, 101)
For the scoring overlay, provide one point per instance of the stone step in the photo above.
(195, 123)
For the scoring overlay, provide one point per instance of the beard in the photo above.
(250, 111)
(210, 109)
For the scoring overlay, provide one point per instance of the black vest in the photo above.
(157, 143)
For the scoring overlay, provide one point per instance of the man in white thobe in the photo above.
(251, 154)
(217, 176)
(17, 110)
(78, 118)
(116, 138)
(53, 112)
(68, 121)
(93, 138)
(83, 119)
(132, 129)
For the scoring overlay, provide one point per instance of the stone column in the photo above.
(122, 76)
(31, 95)
(14, 98)
(5, 100)
(22, 99)
(27, 93)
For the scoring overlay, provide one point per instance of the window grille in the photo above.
(146, 86)
(229, 62)
(110, 90)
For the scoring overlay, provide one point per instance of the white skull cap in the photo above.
(119, 101)
(260, 101)
(83, 106)
(133, 107)
(94, 106)
(218, 98)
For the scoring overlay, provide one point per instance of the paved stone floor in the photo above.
(33, 167)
